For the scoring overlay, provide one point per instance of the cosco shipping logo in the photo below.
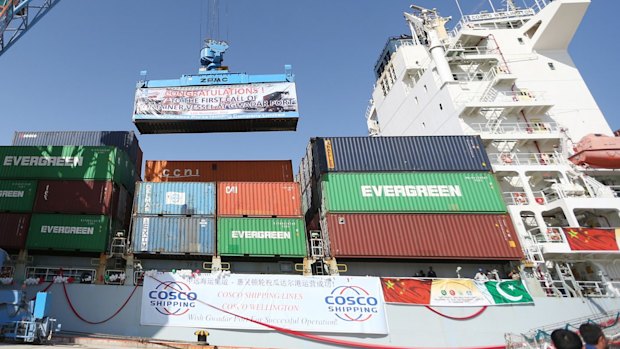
(352, 303)
(173, 298)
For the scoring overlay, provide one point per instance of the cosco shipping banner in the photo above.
(217, 102)
(454, 292)
(310, 304)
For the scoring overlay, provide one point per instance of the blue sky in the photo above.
(77, 68)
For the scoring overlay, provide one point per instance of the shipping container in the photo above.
(17, 195)
(181, 198)
(125, 140)
(63, 232)
(219, 171)
(411, 192)
(67, 162)
(422, 236)
(173, 235)
(393, 154)
(78, 197)
(258, 199)
(13, 230)
(284, 237)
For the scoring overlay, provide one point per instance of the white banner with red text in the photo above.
(310, 304)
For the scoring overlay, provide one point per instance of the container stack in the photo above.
(258, 207)
(406, 198)
(176, 218)
(260, 219)
(65, 197)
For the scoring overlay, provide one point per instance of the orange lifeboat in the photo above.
(598, 151)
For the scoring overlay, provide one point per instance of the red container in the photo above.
(77, 197)
(219, 171)
(257, 199)
(422, 236)
(13, 230)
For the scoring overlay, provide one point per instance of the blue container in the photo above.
(394, 154)
(125, 140)
(173, 235)
(175, 198)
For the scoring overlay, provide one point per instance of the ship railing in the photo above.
(555, 288)
(516, 128)
(548, 235)
(48, 274)
(479, 19)
(501, 96)
(597, 289)
(114, 277)
(138, 277)
(615, 189)
(525, 159)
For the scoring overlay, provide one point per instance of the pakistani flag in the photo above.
(508, 292)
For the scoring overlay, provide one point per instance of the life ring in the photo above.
(553, 235)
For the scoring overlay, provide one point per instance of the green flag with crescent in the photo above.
(509, 291)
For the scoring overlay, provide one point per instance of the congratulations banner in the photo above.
(217, 102)
(310, 304)
(454, 292)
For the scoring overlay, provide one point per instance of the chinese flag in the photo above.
(409, 291)
(591, 239)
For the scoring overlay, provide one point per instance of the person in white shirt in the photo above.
(481, 276)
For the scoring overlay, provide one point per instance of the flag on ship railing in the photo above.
(509, 291)
(454, 292)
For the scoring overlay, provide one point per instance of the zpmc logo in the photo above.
(173, 298)
(352, 303)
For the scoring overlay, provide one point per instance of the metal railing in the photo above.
(473, 21)
(548, 235)
(516, 127)
(501, 96)
(525, 159)
(47, 274)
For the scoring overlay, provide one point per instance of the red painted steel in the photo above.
(78, 197)
(13, 230)
(422, 236)
(258, 199)
(219, 171)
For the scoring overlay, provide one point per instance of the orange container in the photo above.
(255, 199)
(219, 171)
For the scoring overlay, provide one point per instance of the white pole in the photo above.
(458, 5)
(492, 7)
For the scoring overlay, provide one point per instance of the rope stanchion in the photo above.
(313, 337)
(469, 317)
(64, 287)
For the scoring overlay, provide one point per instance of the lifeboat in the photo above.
(598, 151)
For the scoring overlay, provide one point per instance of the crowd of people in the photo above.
(589, 333)
(481, 275)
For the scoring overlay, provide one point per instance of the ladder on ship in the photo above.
(563, 269)
(317, 252)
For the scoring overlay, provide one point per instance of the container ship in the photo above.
(481, 210)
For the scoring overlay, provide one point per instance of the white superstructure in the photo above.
(507, 76)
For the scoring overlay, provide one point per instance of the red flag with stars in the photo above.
(591, 239)
(409, 291)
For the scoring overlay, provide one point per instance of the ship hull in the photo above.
(409, 326)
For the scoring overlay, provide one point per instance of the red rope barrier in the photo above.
(315, 337)
(64, 287)
(458, 318)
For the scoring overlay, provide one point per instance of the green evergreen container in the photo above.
(261, 237)
(412, 192)
(61, 232)
(17, 195)
(67, 162)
